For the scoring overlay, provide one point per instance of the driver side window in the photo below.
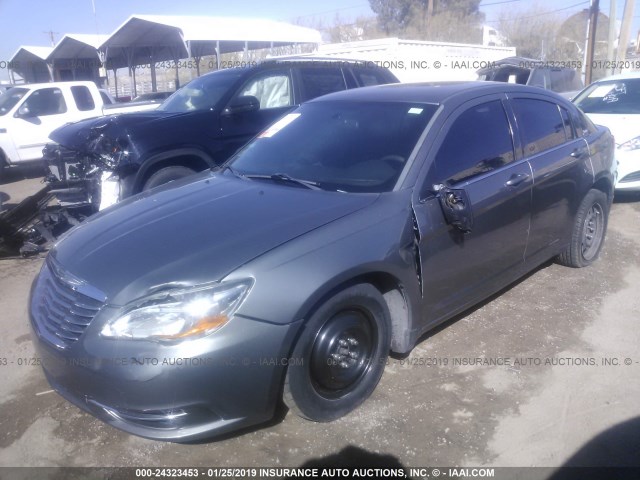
(46, 101)
(478, 141)
(272, 89)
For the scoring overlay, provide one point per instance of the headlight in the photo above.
(179, 314)
(633, 144)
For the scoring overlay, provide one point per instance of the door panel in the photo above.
(274, 91)
(560, 164)
(474, 155)
(459, 268)
(47, 110)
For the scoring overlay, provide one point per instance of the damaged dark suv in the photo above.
(104, 160)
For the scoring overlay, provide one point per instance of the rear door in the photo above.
(561, 170)
(474, 212)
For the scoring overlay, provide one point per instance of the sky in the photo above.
(31, 22)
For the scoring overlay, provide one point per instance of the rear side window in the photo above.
(105, 98)
(568, 130)
(582, 124)
(478, 141)
(83, 98)
(46, 101)
(321, 81)
(369, 76)
(540, 124)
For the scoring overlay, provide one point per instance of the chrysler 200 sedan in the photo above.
(341, 233)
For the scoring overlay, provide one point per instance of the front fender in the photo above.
(374, 244)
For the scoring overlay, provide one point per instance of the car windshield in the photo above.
(338, 146)
(202, 93)
(9, 99)
(613, 96)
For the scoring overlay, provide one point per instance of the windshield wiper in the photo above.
(284, 178)
(222, 169)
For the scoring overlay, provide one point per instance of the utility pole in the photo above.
(611, 55)
(594, 11)
(625, 30)
(52, 37)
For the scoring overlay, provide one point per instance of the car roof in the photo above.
(434, 92)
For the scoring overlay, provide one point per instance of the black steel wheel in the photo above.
(589, 230)
(340, 355)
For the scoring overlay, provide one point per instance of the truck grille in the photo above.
(62, 306)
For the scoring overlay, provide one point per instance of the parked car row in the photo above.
(29, 113)
(199, 127)
(346, 229)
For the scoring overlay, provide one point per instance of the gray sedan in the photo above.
(344, 231)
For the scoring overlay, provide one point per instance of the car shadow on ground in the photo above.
(352, 457)
(437, 329)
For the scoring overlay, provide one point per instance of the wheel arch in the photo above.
(394, 293)
(192, 158)
(605, 185)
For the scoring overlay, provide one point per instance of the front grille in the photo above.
(632, 177)
(62, 306)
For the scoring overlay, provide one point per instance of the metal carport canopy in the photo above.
(74, 45)
(29, 61)
(143, 39)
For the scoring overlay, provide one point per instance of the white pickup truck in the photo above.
(29, 113)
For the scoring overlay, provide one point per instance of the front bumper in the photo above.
(628, 170)
(191, 391)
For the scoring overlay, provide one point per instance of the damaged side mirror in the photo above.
(245, 103)
(456, 207)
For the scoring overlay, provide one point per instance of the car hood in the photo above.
(78, 135)
(624, 127)
(193, 232)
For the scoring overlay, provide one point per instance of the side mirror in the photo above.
(456, 207)
(24, 111)
(245, 103)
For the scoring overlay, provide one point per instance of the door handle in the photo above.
(578, 153)
(516, 179)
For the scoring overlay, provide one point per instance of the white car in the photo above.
(615, 103)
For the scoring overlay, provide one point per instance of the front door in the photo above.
(274, 91)
(40, 113)
(473, 217)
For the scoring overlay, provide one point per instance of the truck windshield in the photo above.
(355, 147)
(9, 99)
(202, 93)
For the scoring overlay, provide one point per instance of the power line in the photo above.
(499, 3)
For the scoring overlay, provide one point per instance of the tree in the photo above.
(440, 20)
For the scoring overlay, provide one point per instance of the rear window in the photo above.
(540, 124)
(613, 96)
(370, 76)
(83, 98)
(321, 81)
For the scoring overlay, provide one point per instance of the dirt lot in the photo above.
(571, 337)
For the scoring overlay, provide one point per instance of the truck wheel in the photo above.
(589, 228)
(166, 175)
(340, 355)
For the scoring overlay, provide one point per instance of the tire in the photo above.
(589, 229)
(166, 175)
(340, 355)
(3, 166)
